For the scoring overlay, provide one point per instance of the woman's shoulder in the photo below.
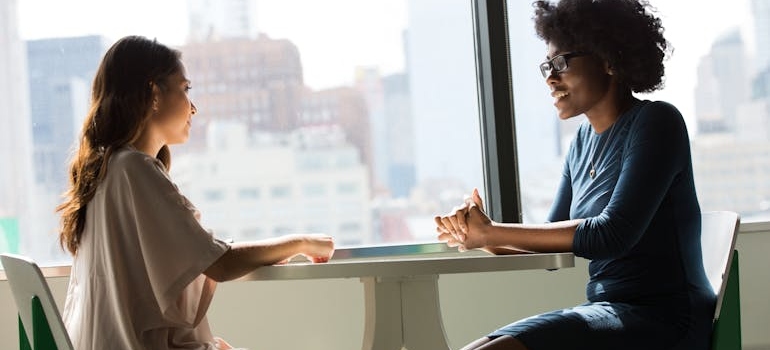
(659, 113)
(659, 120)
(129, 159)
(659, 108)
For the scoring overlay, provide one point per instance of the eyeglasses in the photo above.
(558, 63)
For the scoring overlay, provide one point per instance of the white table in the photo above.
(401, 292)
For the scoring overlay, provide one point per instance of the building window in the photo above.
(280, 192)
(248, 193)
(214, 195)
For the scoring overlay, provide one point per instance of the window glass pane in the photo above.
(357, 119)
(247, 193)
(718, 77)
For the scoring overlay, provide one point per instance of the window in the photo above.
(382, 103)
(314, 190)
(248, 194)
(214, 195)
(293, 107)
(280, 192)
(347, 188)
(717, 77)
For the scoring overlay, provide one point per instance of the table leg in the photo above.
(421, 314)
(403, 312)
(382, 323)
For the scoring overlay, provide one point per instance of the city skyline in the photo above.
(437, 84)
(691, 38)
(377, 37)
(334, 102)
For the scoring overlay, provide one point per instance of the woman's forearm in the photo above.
(538, 238)
(243, 258)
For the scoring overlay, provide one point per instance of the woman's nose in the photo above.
(553, 77)
(194, 109)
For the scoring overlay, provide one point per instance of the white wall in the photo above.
(329, 314)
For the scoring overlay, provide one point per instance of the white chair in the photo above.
(39, 318)
(719, 231)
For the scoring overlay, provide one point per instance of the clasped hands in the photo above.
(466, 226)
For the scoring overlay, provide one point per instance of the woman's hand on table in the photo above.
(465, 227)
(318, 248)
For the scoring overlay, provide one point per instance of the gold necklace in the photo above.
(592, 173)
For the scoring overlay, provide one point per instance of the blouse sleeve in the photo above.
(656, 152)
(561, 205)
(174, 247)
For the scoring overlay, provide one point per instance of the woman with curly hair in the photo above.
(144, 269)
(626, 200)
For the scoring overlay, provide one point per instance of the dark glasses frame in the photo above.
(559, 62)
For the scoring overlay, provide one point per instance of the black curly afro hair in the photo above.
(625, 33)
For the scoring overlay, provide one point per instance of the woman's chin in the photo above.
(564, 115)
(180, 140)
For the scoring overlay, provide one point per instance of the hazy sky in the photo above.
(691, 27)
(373, 38)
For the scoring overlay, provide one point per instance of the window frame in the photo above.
(496, 110)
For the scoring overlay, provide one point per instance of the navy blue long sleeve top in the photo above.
(642, 219)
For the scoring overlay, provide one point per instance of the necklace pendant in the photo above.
(592, 173)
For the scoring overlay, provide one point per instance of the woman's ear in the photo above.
(608, 68)
(155, 96)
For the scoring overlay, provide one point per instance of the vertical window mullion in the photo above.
(498, 130)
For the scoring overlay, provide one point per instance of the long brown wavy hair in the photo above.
(121, 103)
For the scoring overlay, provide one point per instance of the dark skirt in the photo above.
(611, 326)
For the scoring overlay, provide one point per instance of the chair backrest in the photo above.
(27, 283)
(719, 231)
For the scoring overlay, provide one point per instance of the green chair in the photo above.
(719, 231)
(39, 318)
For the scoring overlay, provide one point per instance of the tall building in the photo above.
(723, 84)
(760, 10)
(399, 135)
(259, 83)
(212, 20)
(760, 85)
(368, 82)
(257, 185)
(730, 153)
(254, 81)
(60, 71)
(344, 107)
(388, 103)
(60, 74)
(16, 174)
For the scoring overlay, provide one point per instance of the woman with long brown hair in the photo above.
(144, 269)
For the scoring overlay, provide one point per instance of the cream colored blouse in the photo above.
(137, 281)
